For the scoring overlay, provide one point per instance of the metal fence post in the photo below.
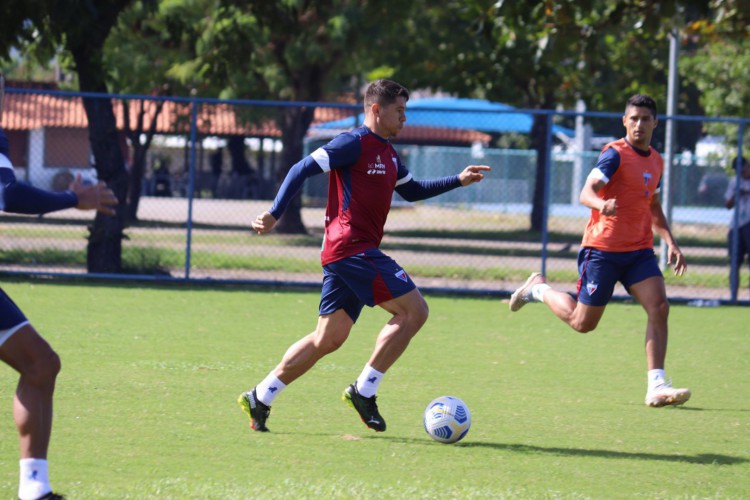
(546, 197)
(671, 133)
(734, 273)
(191, 183)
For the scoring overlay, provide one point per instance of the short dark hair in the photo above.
(384, 92)
(642, 101)
(739, 162)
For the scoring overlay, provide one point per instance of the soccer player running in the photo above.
(364, 172)
(622, 193)
(21, 346)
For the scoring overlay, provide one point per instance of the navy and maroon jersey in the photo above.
(364, 170)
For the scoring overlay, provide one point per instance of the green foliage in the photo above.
(146, 43)
(721, 72)
(145, 404)
(541, 54)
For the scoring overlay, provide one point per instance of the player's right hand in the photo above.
(609, 207)
(94, 196)
(264, 223)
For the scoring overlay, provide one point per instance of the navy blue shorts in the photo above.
(599, 271)
(368, 278)
(11, 317)
(10, 314)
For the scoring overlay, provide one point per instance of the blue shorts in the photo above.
(367, 278)
(11, 317)
(10, 314)
(599, 271)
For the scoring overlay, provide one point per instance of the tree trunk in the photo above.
(294, 125)
(104, 251)
(105, 239)
(140, 151)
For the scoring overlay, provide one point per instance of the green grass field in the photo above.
(146, 406)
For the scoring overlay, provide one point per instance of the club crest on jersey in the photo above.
(401, 274)
(646, 180)
(591, 287)
(377, 168)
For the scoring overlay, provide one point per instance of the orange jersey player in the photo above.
(622, 192)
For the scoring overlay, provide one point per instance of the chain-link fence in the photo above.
(205, 168)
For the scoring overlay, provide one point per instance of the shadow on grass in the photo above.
(701, 458)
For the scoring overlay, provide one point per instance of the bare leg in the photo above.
(29, 354)
(331, 332)
(410, 312)
(652, 295)
(580, 317)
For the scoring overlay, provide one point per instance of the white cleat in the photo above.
(665, 395)
(522, 295)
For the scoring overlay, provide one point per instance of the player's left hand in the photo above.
(674, 254)
(472, 174)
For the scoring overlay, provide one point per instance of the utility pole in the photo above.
(671, 133)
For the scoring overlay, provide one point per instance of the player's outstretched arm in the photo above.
(472, 174)
(264, 223)
(93, 196)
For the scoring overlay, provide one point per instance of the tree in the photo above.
(82, 27)
(147, 42)
(291, 50)
(540, 55)
(718, 64)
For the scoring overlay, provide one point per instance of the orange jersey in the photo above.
(633, 178)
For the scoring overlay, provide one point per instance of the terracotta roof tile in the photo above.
(27, 111)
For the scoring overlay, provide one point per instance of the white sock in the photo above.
(34, 479)
(655, 378)
(537, 291)
(269, 388)
(368, 381)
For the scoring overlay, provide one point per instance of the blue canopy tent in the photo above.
(456, 113)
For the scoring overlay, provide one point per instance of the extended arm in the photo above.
(293, 182)
(415, 190)
(22, 198)
(25, 199)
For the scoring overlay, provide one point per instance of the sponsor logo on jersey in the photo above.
(377, 168)
(401, 274)
(591, 287)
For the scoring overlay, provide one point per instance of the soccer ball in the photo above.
(447, 419)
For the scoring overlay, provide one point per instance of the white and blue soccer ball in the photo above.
(447, 419)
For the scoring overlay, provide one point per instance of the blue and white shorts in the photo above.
(368, 278)
(599, 271)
